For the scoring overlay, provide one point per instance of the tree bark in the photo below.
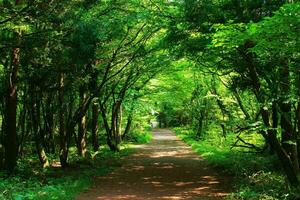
(240, 103)
(298, 114)
(10, 121)
(298, 127)
(287, 134)
(63, 152)
(49, 124)
(22, 127)
(106, 125)
(82, 129)
(271, 133)
(200, 124)
(128, 126)
(116, 138)
(95, 115)
(35, 117)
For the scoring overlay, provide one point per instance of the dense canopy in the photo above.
(82, 76)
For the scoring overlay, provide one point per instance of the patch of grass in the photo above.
(257, 176)
(32, 182)
(139, 137)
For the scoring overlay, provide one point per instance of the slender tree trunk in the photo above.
(26, 130)
(128, 126)
(10, 129)
(275, 114)
(240, 103)
(63, 153)
(120, 122)
(115, 127)
(298, 127)
(106, 126)
(1, 148)
(298, 115)
(1, 157)
(112, 133)
(35, 116)
(129, 118)
(49, 124)
(200, 125)
(82, 129)
(288, 138)
(22, 127)
(95, 115)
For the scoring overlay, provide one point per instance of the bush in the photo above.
(257, 176)
(139, 137)
(32, 182)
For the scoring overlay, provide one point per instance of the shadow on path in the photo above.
(166, 168)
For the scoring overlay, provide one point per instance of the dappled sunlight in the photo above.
(164, 153)
(119, 197)
(166, 168)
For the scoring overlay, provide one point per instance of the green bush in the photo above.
(257, 176)
(32, 182)
(139, 137)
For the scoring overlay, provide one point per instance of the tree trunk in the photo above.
(298, 127)
(106, 126)
(282, 155)
(285, 160)
(49, 124)
(22, 127)
(288, 138)
(35, 117)
(1, 147)
(120, 122)
(82, 129)
(200, 125)
(10, 118)
(240, 103)
(95, 114)
(1, 157)
(128, 126)
(115, 127)
(298, 114)
(63, 152)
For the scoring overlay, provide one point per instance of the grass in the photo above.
(138, 137)
(257, 176)
(32, 182)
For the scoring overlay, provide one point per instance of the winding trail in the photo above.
(166, 168)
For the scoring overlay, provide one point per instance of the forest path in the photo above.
(166, 168)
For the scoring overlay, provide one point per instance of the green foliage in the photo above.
(212, 66)
(138, 137)
(56, 183)
(257, 176)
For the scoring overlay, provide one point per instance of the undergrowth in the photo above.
(32, 182)
(139, 137)
(257, 176)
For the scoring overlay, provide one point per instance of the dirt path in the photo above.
(166, 168)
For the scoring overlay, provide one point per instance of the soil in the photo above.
(166, 168)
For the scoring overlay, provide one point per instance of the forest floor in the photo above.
(165, 168)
